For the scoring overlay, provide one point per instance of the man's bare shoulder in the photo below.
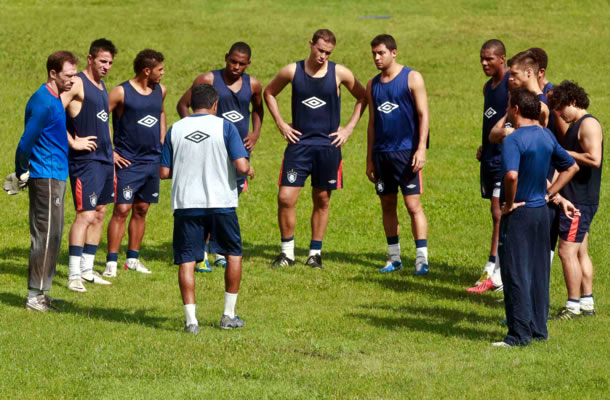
(206, 77)
(255, 85)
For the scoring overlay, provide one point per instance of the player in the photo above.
(138, 119)
(91, 172)
(396, 147)
(314, 138)
(42, 156)
(237, 91)
(584, 142)
(495, 93)
(524, 241)
(202, 155)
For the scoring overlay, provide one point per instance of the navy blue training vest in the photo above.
(496, 103)
(234, 107)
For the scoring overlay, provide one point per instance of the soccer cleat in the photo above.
(587, 313)
(193, 329)
(421, 266)
(38, 303)
(110, 271)
(499, 289)
(483, 287)
(281, 261)
(76, 285)
(314, 261)
(391, 266)
(501, 344)
(220, 261)
(134, 264)
(94, 277)
(566, 314)
(204, 266)
(484, 276)
(231, 323)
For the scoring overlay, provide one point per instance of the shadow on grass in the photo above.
(140, 316)
(436, 320)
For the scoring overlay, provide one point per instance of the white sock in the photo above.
(313, 252)
(586, 303)
(86, 263)
(552, 254)
(130, 261)
(74, 267)
(189, 311)
(394, 252)
(489, 267)
(218, 257)
(288, 249)
(230, 300)
(422, 252)
(573, 305)
(34, 293)
(205, 254)
(496, 277)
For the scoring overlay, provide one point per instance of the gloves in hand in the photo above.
(13, 184)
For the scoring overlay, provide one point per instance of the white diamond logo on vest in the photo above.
(313, 102)
(490, 112)
(103, 115)
(148, 121)
(197, 136)
(232, 116)
(387, 107)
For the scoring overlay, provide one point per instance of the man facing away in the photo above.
(396, 148)
(139, 130)
(237, 91)
(42, 156)
(203, 154)
(91, 170)
(314, 138)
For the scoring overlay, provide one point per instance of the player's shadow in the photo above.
(435, 320)
(22, 255)
(140, 316)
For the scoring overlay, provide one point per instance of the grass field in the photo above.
(346, 331)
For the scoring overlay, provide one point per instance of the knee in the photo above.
(85, 218)
(321, 203)
(100, 214)
(120, 213)
(414, 207)
(285, 201)
(140, 210)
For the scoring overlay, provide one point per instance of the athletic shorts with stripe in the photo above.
(137, 180)
(393, 169)
(92, 184)
(491, 181)
(575, 229)
(323, 163)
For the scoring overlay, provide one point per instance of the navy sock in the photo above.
(112, 257)
(133, 253)
(288, 239)
(75, 251)
(315, 245)
(90, 248)
(392, 239)
(421, 243)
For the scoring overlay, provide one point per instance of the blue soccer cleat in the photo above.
(220, 261)
(204, 267)
(421, 267)
(391, 266)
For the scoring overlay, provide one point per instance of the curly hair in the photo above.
(567, 93)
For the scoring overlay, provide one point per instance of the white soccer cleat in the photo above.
(136, 265)
(110, 271)
(94, 277)
(76, 285)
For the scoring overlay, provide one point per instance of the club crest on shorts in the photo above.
(127, 193)
(56, 201)
(292, 176)
(379, 186)
(93, 200)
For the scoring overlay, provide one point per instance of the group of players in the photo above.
(207, 156)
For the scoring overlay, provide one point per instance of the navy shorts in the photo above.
(491, 181)
(92, 184)
(242, 184)
(394, 169)
(574, 230)
(323, 163)
(190, 233)
(139, 180)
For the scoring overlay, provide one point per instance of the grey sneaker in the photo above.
(314, 261)
(587, 313)
(38, 303)
(231, 323)
(193, 329)
(282, 261)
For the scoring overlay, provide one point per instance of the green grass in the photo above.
(347, 331)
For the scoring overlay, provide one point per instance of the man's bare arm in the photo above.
(499, 131)
(347, 79)
(273, 89)
(257, 113)
(418, 89)
(370, 135)
(185, 101)
(590, 139)
(116, 98)
(163, 121)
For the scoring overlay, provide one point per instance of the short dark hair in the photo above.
(496, 45)
(525, 59)
(385, 39)
(241, 47)
(325, 35)
(203, 96)
(56, 61)
(528, 103)
(102, 44)
(541, 57)
(567, 93)
(147, 58)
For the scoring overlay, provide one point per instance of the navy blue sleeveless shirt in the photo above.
(137, 132)
(496, 103)
(92, 120)
(396, 120)
(584, 187)
(316, 106)
(234, 107)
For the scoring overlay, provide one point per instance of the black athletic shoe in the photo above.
(566, 314)
(587, 313)
(282, 261)
(314, 261)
